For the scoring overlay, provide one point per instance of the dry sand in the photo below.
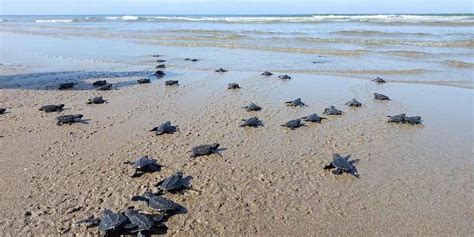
(415, 180)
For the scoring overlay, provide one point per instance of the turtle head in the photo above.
(78, 116)
(215, 146)
(61, 106)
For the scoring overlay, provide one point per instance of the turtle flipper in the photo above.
(329, 166)
(337, 171)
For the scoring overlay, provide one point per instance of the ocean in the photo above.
(426, 49)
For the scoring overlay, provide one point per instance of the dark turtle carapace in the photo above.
(160, 66)
(96, 100)
(68, 119)
(251, 122)
(160, 73)
(160, 60)
(332, 111)
(144, 81)
(342, 164)
(99, 83)
(295, 103)
(67, 85)
(144, 164)
(141, 223)
(379, 80)
(313, 118)
(378, 96)
(402, 118)
(157, 203)
(111, 221)
(52, 108)
(175, 182)
(354, 103)
(233, 86)
(191, 59)
(221, 70)
(172, 83)
(293, 124)
(165, 128)
(205, 150)
(252, 107)
(284, 77)
(266, 73)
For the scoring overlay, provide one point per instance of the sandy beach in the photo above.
(414, 180)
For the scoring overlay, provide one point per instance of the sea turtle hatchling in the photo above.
(160, 73)
(284, 77)
(160, 66)
(313, 118)
(106, 87)
(266, 73)
(68, 119)
(205, 150)
(379, 80)
(332, 111)
(252, 107)
(172, 83)
(400, 118)
(413, 120)
(233, 86)
(175, 182)
(378, 96)
(295, 103)
(342, 164)
(52, 108)
(160, 60)
(143, 81)
(65, 86)
(96, 100)
(251, 122)
(144, 164)
(111, 221)
(293, 124)
(99, 83)
(354, 103)
(157, 203)
(221, 70)
(141, 223)
(165, 128)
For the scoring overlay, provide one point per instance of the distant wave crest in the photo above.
(55, 20)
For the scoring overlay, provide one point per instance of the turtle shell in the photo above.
(341, 163)
(174, 182)
(111, 220)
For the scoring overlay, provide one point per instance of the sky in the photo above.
(222, 7)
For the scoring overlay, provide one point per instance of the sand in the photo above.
(415, 180)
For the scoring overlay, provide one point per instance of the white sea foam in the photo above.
(54, 21)
(130, 18)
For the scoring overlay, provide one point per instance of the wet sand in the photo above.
(415, 180)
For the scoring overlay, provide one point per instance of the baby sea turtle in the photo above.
(400, 118)
(144, 164)
(284, 77)
(140, 223)
(156, 55)
(251, 122)
(332, 111)
(191, 59)
(160, 74)
(161, 66)
(221, 70)
(295, 103)
(378, 96)
(252, 107)
(157, 203)
(68, 119)
(52, 108)
(292, 124)
(165, 128)
(413, 120)
(111, 221)
(233, 86)
(266, 73)
(105, 87)
(99, 83)
(205, 150)
(353, 103)
(342, 164)
(96, 100)
(313, 118)
(379, 80)
(160, 60)
(171, 83)
(175, 182)
(143, 81)
(3, 110)
(65, 86)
